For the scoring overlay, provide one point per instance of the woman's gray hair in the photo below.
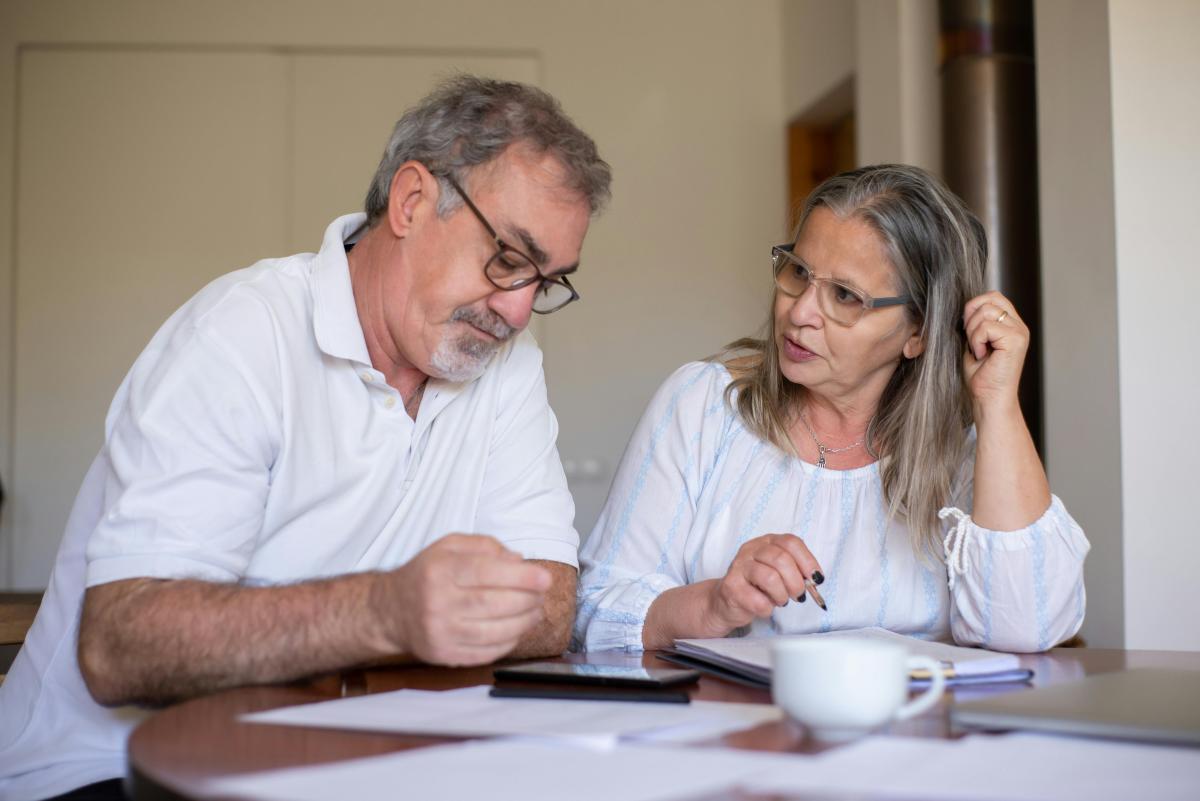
(939, 250)
(468, 121)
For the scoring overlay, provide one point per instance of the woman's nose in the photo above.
(806, 307)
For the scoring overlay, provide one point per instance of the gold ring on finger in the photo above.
(1003, 314)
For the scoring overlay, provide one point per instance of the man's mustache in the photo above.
(484, 320)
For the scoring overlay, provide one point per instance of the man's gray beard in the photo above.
(464, 358)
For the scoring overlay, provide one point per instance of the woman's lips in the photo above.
(796, 353)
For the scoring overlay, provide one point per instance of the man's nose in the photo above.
(514, 306)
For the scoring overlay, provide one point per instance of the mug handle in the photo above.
(930, 697)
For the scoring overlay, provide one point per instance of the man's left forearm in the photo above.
(552, 635)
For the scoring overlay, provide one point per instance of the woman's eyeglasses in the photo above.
(838, 301)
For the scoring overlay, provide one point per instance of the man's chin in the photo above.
(458, 367)
(460, 375)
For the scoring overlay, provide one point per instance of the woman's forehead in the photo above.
(846, 248)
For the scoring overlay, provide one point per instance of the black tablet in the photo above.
(606, 675)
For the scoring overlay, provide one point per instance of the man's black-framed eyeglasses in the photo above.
(509, 269)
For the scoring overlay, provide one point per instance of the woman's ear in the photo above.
(914, 346)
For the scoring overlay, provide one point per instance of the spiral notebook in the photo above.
(748, 659)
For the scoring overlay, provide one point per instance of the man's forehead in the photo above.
(528, 201)
(541, 165)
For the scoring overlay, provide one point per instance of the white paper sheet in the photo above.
(995, 768)
(1021, 767)
(471, 712)
(509, 770)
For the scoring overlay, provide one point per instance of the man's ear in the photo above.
(412, 186)
(914, 346)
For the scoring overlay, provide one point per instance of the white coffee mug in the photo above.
(842, 688)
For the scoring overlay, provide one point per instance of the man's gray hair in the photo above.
(468, 121)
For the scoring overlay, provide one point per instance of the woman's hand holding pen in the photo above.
(767, 572)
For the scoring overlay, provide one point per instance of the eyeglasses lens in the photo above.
(836, 301)
(792, 278)
(550, 297)
(508, 269)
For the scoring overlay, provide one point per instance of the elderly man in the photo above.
(330, 459)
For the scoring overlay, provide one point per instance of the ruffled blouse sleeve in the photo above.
(1017, 591)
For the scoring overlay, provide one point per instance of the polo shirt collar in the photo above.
(335, 317)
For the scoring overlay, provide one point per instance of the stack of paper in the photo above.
(750, 657)
(471, 712)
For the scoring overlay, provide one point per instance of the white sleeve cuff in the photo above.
(614, 618)
(1016, 590)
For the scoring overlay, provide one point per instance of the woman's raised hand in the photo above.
(766, 573)
(997, 339)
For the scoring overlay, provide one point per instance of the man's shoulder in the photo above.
(268, 289)
(250, 312)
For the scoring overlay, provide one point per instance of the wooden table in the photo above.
(176, 749)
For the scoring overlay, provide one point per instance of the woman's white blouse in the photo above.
(695, 484)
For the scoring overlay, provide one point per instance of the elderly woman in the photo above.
(871, 442)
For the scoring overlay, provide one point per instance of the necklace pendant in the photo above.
(820, 455)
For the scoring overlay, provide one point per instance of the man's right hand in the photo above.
(464, 600)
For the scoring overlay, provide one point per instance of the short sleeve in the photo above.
(190, 442)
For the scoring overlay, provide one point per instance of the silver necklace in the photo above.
(821, 448)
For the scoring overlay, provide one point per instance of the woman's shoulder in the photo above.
(694, 381)
(692, 392)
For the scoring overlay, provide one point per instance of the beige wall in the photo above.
(897, 86)
(887, 51)
(1155, 67)
(683, 97)
(1079, 286)
(818, 52)
(1119, 120)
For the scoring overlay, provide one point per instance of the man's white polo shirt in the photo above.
(253, 442)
